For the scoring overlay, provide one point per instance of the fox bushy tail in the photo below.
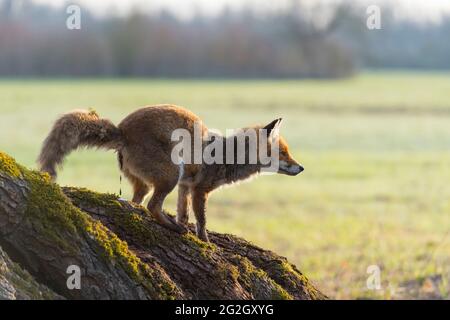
(79, 128)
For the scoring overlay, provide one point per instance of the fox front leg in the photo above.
(199, 204)
(183, 205)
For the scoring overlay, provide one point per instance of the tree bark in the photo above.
(121, 251)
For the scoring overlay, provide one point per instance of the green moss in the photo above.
(114, 249)
(235, 274)
(134, 223)
(65, 225)
(280, 294)
(55, 221)
(138, 226)
(240, 269)
(205, 249)
(254, 279)
(9, 166)
(117, 251)
(108, 201)
(285, 271)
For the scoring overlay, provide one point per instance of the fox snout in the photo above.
(291, 169)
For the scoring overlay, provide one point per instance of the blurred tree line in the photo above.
(331, 41)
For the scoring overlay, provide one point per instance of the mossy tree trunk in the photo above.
(123, 253)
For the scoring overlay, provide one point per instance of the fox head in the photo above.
(286, 163)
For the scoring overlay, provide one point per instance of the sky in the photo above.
(415, 9)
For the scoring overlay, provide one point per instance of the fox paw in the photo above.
(177, 227)
(203, 236)
(183, 228)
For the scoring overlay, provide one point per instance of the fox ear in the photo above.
(273, 128)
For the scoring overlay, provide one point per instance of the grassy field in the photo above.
(376, 152)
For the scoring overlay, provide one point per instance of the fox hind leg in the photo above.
(151, 165)
(155, 207)
(140, 188)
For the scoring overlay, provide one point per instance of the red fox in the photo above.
(143, 141)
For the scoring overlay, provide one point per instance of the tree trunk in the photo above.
(121, 251)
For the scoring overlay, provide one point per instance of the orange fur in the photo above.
(144, 145)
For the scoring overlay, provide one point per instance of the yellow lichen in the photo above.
(9, 166)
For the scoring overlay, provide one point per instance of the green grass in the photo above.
(376, 149)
